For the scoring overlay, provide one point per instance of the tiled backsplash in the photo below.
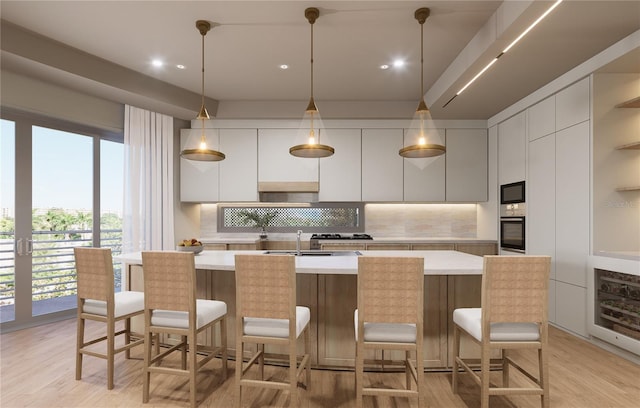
(421, 220)
(393, 220)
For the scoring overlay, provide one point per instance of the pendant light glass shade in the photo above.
(422, 138)
(202, 153)
(311, 120)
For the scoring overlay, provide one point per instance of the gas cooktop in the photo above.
(341, 236)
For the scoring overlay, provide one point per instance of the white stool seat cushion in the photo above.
(126, 302)
(206, 312)
(470, 319)
(255, 326)
(387, 332)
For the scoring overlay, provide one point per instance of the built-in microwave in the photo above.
(512, 233)
(512, 193)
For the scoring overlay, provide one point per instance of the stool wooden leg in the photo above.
(111, 329)
(239, 357)
(505, 369)
(79, 345)
(407, 369)
(146, 374)
(293, 378)
(223, 343)
(484, 376)
(456, 354)
(359, 374)
(307, 348)
(544, 376)
(193, 365)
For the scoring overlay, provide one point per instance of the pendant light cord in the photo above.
(312, 60)
(203, 69)
(421, 60)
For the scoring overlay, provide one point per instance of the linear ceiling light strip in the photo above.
(483, 70)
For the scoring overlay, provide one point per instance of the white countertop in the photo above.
(435, 262)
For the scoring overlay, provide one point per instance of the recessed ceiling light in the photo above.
(157, 63)
(284, 66)
(398, 63)
(384, 66)
(180, 66)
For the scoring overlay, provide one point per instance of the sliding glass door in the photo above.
(50, 203)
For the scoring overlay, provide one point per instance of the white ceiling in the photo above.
(250, 39)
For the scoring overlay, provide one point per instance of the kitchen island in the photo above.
(328, 286)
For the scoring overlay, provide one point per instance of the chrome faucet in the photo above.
(298, 243)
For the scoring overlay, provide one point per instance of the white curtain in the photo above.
(148, 181)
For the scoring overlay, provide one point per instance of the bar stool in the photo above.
(171, 307)
(513, 315)
(390, 317)
(266, 313)
(98, 301)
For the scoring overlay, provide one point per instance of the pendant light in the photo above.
(312, 149)
(202, 153)
(426, 144)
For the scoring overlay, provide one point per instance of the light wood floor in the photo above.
(37, 370)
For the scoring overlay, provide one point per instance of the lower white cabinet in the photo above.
(341, 173)
(382, 165)
(571, 307)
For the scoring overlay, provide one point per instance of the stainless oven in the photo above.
(512, 233)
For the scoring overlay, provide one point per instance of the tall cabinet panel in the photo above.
(341, 174)
(424, 179)
(572, 204)
(511, 149)
(239, 170)
(382, 166)
(466, 175)
(541, 207)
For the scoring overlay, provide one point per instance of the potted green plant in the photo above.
(259, 218)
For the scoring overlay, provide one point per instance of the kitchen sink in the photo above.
(313, 253)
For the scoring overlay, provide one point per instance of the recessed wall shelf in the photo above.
(631, 103)
(629, 146)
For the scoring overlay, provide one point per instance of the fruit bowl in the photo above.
(196, 249)
(190, 245)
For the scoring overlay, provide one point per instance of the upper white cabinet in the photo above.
(466, 165)
(512, 149)
(572, 104)
(199, 180)
(239, 170)
(424, 179)
(275, 164)
(382, 166)
(341, 173)
(541, 120)
(233, 179)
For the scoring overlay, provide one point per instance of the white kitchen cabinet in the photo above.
(541, 199)
(541, 118)
(512, 149)
(199, 181)
(572, 104)
(382, 166)
(275, 164)
(424, 179)
(571, 308)
(466, 165)
(341, 173)
(239, 171)
(572, 204)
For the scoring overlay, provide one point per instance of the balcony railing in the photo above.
(53, 273)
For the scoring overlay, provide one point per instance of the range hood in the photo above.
(288, 191)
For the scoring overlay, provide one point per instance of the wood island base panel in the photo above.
(327, 285)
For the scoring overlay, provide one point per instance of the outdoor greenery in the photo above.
(55, 232)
